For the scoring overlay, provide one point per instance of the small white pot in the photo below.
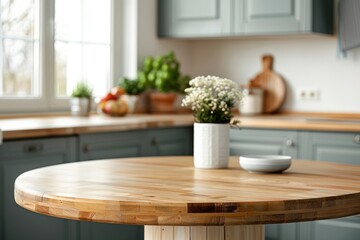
(131, 101)
(80, 107)
(211, 145)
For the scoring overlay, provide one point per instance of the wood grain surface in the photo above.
(30, 127)
(272, 83)
(242, 232)
(170, 191)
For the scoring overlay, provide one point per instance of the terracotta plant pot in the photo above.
(162, 102)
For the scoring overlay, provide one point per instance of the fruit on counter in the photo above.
(117, 107)
(108, 97)
(112, 103)
(117, 91)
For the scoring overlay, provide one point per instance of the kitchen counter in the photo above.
(68, 125)
(43, 126)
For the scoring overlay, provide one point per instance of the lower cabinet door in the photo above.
(286, 231)
(342, 228)
(263, 141)
(17, 157)
(340, 148)
(106, 231)
(170, 142)
(95, 146)
(332, 147)
(268, 142)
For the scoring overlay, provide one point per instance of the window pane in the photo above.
(82, 20)
(18, 68)
(17, 17)
(68, 20)
(19, 61)
(82, 45)
(97, 65)
(97, 21)
(76, 62)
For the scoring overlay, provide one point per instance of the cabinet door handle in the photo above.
(154, 141)
(86, 148)
(33, 148)
(290, 143)
(357, 139)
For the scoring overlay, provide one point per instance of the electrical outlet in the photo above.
(309, 94)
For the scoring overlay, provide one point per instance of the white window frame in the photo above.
(123, 46)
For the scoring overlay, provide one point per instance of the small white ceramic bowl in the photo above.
(265, 163)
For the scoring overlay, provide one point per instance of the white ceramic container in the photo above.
(80, 106)
(265, 163)
(211, 145)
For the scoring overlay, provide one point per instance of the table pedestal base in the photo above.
(242, 232)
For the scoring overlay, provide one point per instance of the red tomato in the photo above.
(108, 97)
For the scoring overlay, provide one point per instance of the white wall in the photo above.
(309, 62)
(148, 42)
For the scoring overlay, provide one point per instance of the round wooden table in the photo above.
(176, 201)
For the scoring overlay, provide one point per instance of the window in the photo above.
(49, 45)
(19, 49)
(82, 44)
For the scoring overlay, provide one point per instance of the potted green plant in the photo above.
(80, 102)
(133, 89)
(162, 75)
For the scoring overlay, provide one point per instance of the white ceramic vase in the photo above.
(211, 145)
(80, 107)
(131, 101)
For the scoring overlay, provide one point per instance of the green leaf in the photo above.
(82, 90)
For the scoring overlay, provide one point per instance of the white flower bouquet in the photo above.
(211, 99)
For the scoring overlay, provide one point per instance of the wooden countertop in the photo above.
(170, 191)
(42, 126)
(28, 127)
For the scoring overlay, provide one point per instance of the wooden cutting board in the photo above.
(272, 83)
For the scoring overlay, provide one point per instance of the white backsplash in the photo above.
(304, 62)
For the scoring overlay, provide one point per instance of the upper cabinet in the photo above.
(189, 18)
(215, 18)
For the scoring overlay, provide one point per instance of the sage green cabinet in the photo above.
(342, 228)
(170, 141)
(280, 16)
(20, 156)
(189, 18)
(337, 147)
(268, 142)
(136, 143)
(264, 17)
(263, 141)
(223, 18)
(340, 148)
(108, 145)
(284, 231)
(94, 146)
(107, 231)
(332, 147)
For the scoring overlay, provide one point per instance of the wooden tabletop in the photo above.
(170, 191)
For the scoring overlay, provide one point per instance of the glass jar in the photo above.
(252, 103)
